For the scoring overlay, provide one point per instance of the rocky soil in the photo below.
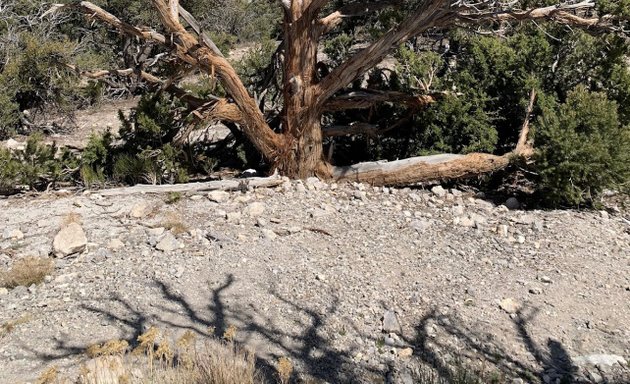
(352, 283)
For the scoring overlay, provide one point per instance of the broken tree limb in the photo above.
(197, 188)
(523, 147)
(421, 169)
(368, 98)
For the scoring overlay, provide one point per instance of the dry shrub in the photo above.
(285, 370)
(226, 364)
(9, 326)
(27, 271)
(110, 348)
(175, 224)
(70, 218)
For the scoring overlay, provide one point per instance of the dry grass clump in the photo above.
(9, 326)
(175, 224)
(27, 271)
(70, 218)
(157, 359)
(110, 348)
(285, 370)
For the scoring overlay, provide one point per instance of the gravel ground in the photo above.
(352, 283)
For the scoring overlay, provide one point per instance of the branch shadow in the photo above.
(305, 345)
(550, 362)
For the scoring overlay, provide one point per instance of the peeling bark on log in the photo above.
(421, 169)
(197, 188)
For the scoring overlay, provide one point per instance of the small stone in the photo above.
(420, 225)
(218, 196)
(390, 323)
(546, 279)
(269, 234)
(509, 305)
(467, 222)
(359, 195)
(405, 352)
(320, 277)
(140, 210)
(458, 210)
(255, 209)
(168, 243)
(4, 291)
(438, 191)
(503, 230)
(70, 240)
(196, 197)
(260, 222)
(115, 244)
(512, 203)
(520, 239)
(13, 234)
(155, 232)
(604, 215)
(233, 217)
(250, 173)
(535, 291)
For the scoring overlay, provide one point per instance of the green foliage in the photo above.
(583, 148)
(338, 48)
(37, 166)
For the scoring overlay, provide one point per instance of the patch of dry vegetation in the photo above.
(174, 223)
(27, 271)
(9, 326)
(160, 360)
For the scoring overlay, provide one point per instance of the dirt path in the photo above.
(309, 270)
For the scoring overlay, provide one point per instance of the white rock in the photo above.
(13, 234)
(438, 191)
(250, 173)
(159, 231)
(4, 291)
(509, 305)
(600, 359)
(168, 243)
(70, 240)
(115, 244)
(140, 210)
(269, 234)
(218, 196)
(255, 209)
(390, 322)
(233, 217)
(604, 215)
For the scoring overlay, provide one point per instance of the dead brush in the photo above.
(110, 348)
(9, 326)
(174, 223)
(27, 271)
(70, 218)
(285, 370)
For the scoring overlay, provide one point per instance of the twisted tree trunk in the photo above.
(297, 151)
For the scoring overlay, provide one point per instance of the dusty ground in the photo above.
(312, 275)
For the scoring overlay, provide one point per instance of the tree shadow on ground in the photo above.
(433, 340)
(304, 344)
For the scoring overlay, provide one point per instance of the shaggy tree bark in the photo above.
(296, 149)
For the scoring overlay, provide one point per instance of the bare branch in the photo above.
(368, 98)
(354, 10)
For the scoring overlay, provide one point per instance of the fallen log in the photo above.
(198, 188)
(421, 169)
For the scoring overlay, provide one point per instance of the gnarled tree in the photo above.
(295, 145)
